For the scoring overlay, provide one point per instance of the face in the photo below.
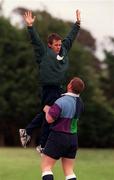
(56, 46)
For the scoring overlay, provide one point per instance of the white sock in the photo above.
(47, 173)
(70, 176)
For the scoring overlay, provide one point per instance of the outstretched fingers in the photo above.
(29, 18)
(78, 15)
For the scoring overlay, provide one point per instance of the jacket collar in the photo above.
(70, 94)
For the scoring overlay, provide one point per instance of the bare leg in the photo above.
(47, 164)
(68, 165)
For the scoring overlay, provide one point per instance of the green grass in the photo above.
(24, 164)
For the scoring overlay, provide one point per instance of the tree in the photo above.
(107, 80)
(18, 75)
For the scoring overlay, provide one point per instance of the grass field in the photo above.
(24, 164)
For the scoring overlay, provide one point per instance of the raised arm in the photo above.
(35, 39)
(67, 42)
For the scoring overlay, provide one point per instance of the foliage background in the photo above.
(20, 88)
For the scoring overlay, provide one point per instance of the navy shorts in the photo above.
(61, 144)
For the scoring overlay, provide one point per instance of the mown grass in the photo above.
(24, 164)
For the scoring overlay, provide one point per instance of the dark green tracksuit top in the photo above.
(52, 71)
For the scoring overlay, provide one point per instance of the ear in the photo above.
(49, 45)
(69, 87)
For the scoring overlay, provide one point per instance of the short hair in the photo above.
(77, 85)
(53, 36)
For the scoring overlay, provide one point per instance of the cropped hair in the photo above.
(53, 36)
(77, 85)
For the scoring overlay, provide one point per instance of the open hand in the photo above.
(29, 19)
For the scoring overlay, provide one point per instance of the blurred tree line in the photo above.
(20, 88)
